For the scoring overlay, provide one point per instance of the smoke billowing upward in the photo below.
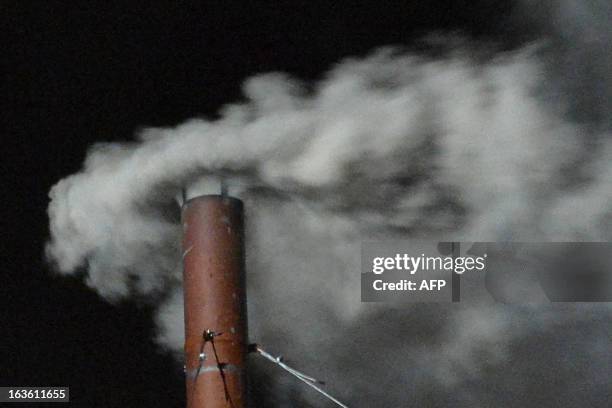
(391, 145)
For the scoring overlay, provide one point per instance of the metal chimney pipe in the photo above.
(215, 302)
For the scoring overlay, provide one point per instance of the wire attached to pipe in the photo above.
(220, 365)
(209, 336)
(310, 381)
(201, 358)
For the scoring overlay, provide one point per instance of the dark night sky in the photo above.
(75, 73)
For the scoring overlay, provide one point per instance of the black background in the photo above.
(76, 73)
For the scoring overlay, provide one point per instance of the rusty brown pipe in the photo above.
(215, 302)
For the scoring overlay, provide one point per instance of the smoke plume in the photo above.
(462, 146)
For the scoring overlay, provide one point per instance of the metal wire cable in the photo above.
(310, 381)
(200, 364)
(209, 336)
(220, 365)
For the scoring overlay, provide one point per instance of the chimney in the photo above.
(215, 302)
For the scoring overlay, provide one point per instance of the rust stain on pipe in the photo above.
(215, 299)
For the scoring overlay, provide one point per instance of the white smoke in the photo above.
(390, 145)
